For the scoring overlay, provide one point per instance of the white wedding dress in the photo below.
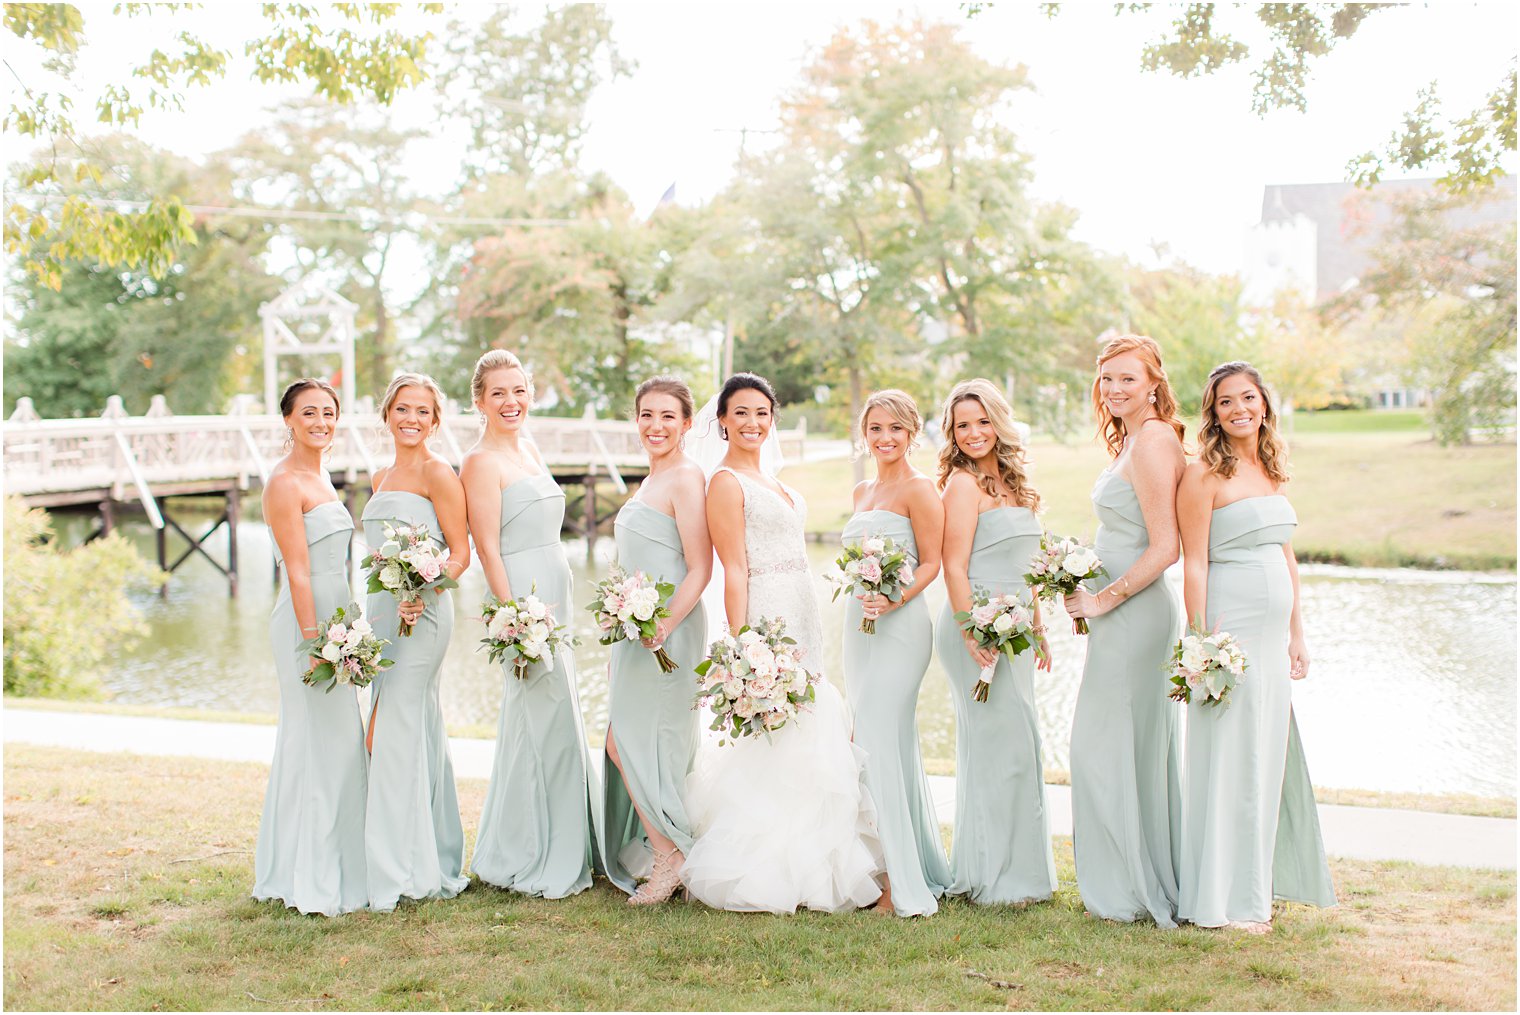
(784, 822)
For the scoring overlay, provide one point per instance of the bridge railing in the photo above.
(61, 455)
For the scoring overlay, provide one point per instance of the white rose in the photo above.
(760, 654)
(536, 609)
(643, 610)
(537, 631)
(332, 652)
(1194, 657)
(362, 626)
(1019, 615)
(983, 614)
(355, 636)
(1081, 561)
(905, 575)
(745, 706)
(733, 687)
(875, 544)
(1003, 623)
(749, 638)
(336, 633)
(497, 625)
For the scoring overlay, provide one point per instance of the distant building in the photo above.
(1316, 239)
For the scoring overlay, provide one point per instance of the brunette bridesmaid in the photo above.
(310, 852)
(1250, 828)
(1126, 792)
(652, 730)
(537, 828)
(1001, 848)
(413, 836)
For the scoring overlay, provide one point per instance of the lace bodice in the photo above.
(780, 583)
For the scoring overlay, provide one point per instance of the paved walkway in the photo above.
(1365, 833)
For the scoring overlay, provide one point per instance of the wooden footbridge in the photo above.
(116, 464)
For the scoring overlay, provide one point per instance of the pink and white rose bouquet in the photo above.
(406, 565)
(1060, 566)
(754, 681)
(346, 650)
(1206, 664)
(1004, 624)
(629, 607)
(875, 565)
(522, 630)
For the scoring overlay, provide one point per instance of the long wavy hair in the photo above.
(1214, 446)
(1145, 348)
(1012, 467)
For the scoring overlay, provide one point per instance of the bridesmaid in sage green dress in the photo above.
(413, 836)
(310, 852)
(883, 671)
(1126, 793)
(1250, 828)
(1000, 851)
(652, 730)
(536, 831)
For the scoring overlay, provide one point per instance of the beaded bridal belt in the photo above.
(785, 567)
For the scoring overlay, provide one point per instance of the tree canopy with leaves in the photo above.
(342, 50)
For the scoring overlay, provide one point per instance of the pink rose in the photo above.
(870, 570)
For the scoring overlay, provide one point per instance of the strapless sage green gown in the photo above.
(1250, 829)
(413, 835)
(536, 830)
(310, 852)
(1001, 847)
(650, 713)
(882, 674)
(1126, 792)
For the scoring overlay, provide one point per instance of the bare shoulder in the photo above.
(439, 471)
(960, 484)
(725, 484)
(1197, 480)
(1158, 447)
(688, 477)
(377, 479)
(479, 466)
(920, 490)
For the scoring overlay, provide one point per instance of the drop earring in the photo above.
(723, 431)
(1153, 398)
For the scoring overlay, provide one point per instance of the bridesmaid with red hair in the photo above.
(1126, 795)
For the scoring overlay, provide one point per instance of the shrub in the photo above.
(66, 611)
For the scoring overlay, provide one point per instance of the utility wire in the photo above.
(410, 220)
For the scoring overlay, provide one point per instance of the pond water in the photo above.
(1412, 687)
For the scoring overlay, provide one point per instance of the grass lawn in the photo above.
(1369, 488)
(126, 883)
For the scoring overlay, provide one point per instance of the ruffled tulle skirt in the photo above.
(787, 822)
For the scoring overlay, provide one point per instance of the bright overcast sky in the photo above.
(1144, 158)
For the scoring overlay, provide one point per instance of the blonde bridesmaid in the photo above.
(537, 829)
(1001, 849)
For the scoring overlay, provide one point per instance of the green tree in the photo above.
(66, 611)
(126, 332)
(1197, 319)
(342, 51)
(1454, 286)
(340, 168)
(1203, 38)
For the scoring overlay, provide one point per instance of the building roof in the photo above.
(1350, 218)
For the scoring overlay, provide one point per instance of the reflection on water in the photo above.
(1412, 683)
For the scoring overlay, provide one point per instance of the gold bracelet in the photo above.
(1039, 631)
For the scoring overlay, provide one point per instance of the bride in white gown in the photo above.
(782, 822)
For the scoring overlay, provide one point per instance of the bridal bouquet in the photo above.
(1059, 567)
(1208, 664)
(754, 681)
(630, 607)
(407, 564)
(347, 651)
(522, 630)
(1002, 623)
(875, 565)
